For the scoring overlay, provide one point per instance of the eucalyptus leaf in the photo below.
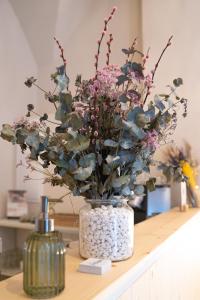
(126, 143)
(8, 133)
(132, 114)
(177, 82)
(150, 113)
(139, 190)
(64, 108)
(74, 120)
(89, 160)
(122, 79)
(118, 182)
(80, 143)
(110, 143)
(62, 82)
(33, 140)
(82, 174)
(85, 188)
(138, 132)
(113, 159)
(158, 103)
(126, 191)
(138, 165)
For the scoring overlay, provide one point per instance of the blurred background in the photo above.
(27, 48)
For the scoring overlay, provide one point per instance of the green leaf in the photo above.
(126, 143)
(138, 117)
(21, 135)
(126, 191)
(107, 169)
(118, 182)
(123, 98)
(139, 190)
(150, 113)
(138, 132)
(84, 188)
(8, 133)
(138, 165)
(74, 120)
(158, 103)
(80, 143)
(89, 160)
(121, 79)
(62, 82)
(132, 114)
(133, 67)
(126, 157)
(177, 82)
(64, 108)
(29, 82)
(30, 107)
(44, 117)
(33, 140)
(82, 174)
(110, 143)
(113, 159)
(141, 120)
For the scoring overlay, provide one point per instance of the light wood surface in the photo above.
(69, 227)
(151, 238)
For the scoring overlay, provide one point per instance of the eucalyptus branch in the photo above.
(47, 94)
(52, 122)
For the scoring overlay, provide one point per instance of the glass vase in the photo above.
(106, 230)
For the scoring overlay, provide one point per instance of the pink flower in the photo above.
(81, 108)
(148, 81)
(104, 84)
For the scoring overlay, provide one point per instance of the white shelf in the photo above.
(16, 224)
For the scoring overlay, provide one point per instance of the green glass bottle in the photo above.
(44, 258)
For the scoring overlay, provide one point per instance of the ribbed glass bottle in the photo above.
(44, 265)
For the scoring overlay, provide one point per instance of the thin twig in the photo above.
(156, 67)
(45, 120)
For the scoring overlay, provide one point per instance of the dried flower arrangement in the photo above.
(106, 134)
(181, 166)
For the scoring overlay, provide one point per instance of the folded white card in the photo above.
(95, 266)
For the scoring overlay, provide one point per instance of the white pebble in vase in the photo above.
(106, 232)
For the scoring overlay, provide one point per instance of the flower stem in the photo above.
(156, 67)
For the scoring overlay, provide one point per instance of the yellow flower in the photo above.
(189, 172)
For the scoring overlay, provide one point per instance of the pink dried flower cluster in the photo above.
(105, 82)
(81, 108)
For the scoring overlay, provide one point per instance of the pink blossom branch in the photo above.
(109, 49)
(145, 58)
(156, 67)
(61, 51)
(99, 42)
(132, 47)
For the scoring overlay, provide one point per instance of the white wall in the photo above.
(180, 18)
(16, 62)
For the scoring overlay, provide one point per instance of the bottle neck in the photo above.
(44, 225)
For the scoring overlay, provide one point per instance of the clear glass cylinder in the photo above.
(106, 230)
(44, 265)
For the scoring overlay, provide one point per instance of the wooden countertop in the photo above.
(151, 237)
